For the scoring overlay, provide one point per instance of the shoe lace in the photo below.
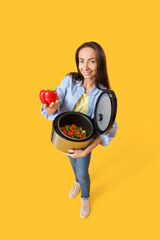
(76, 187)
(84, 204)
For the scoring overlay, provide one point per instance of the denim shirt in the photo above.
(69, 92)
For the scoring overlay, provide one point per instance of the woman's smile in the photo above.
(87, 73)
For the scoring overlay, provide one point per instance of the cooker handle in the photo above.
(100, 117)
(52, 131)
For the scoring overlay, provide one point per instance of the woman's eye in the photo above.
(81, 61)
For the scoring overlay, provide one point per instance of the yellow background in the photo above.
(38, 43)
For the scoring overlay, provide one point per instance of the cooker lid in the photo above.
(105, 111)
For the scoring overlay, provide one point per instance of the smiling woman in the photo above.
(79, 92)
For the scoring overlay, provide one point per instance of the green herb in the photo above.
(66, 129)
(77, 136)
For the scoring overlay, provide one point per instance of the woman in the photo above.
(79, 92)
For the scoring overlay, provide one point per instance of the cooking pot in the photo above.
(104, 117)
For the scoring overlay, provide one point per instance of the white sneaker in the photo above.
(84, 211)
(74, 191)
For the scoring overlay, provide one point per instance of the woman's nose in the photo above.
(86, 67)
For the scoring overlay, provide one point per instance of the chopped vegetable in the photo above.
(73, 131)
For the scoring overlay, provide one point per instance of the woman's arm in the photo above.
(107, 137)
(86, 151)
(95, 142)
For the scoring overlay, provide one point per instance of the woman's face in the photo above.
(88, 63)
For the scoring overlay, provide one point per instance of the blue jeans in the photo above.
(80, 167)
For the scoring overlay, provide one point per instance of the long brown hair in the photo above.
(102, 75)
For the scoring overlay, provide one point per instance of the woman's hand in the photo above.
(52, 107)
(76, 153)
(86, 151)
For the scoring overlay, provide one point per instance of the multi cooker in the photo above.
(104, 117)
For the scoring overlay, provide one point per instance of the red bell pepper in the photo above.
(48, 96)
